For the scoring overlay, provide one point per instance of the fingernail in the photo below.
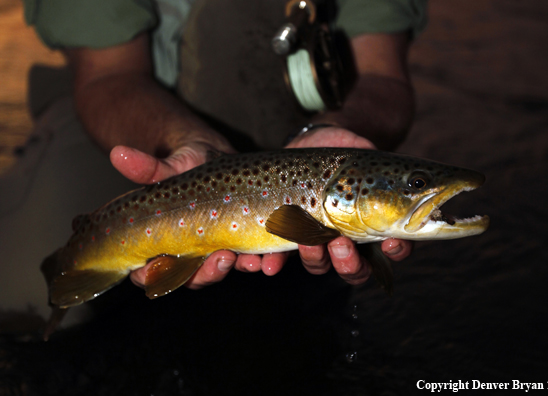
(224, 265)
(341, 251)
(395, 250)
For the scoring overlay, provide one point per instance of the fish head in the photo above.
(386, 195)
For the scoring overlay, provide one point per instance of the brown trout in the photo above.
(258, 203)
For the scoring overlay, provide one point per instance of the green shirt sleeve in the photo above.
(89, 23)
(381, 16)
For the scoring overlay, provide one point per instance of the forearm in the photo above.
(381, 105)
(131, 109)
(379, 108)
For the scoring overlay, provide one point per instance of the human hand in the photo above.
(341, 253)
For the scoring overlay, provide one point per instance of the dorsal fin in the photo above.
(78, 221)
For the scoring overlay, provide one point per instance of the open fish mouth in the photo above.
(429, 221)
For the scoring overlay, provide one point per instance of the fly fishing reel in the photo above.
(319, 65)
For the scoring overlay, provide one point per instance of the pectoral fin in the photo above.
(380, 264)
(167, 273)
(295, 224)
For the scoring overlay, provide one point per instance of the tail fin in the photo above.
(70, 287)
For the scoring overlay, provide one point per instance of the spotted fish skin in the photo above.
(227, 203)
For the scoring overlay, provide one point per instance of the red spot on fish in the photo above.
(303, 185)
(287, 200)
(123, 242)
(149, 232)
(131, 220)
(192, 205)
(107, 231)
(214, 214)
(80, 246)
(200, 231)
(264, 193)
(245, 210)
(158, 212)
(227, 198)
(234, 226)
(181, 223)
(93, 238)
(208, 189)
(260, 220)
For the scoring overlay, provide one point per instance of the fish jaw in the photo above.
(427, 221)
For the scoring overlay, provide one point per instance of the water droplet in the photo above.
(355, 316)
(355, 333)
(351, 357)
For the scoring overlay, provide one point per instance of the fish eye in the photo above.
(418, 181)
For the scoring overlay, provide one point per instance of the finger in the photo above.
(140, 167)
(273, 263)
(331, 137)
(315, 259)
(215, 268)
(346, 260)
(248, 263)
(397, 249)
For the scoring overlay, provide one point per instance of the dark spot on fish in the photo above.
(235, 172)
(406, 167)
(386, 173)
(250, 182)
(309, 184)
(143, 198)
(303, 200)
(157, 195)
(150, 188)
(209, 170)
(386, 163)
(199, 176)
(232, 188)
(306, 170)
(150, 201)
(369, 180)
(327, 174)
(340, 188)
(194, 184)
(350, 181)
(266, 179)
(184, 186)
(257, 163)
(292, 173)
(365, 191)
(313, 202)
(245, 165)
(349, 197)
(277, 170)
(207, 179)
(136, 206)
(396, 170)
(277, 162)
(316, 164)
(239, 181)
(227, 179)
(391, 181)
(299, 173)
(183, 196)
(335, 202)
(258, 183)
(119, 209)
(126, 205)
(359, 180)
(219, 176)
(373, 163)
(167, 195)
(174, 190)
(246, 173)
(200, 187)
(213, 184)
(343, 172)
(255, 171)
(406, 192)
(134, 198)
(191, 193)
(266, 167)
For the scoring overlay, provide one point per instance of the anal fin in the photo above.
(167, 273)
(295, 224)
(74, 287)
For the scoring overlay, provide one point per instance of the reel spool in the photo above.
(319, 66)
